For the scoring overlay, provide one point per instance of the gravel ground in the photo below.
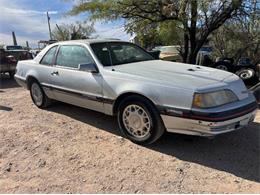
(66, 149)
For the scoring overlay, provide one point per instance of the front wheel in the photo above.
(139, 120)
(38, 96)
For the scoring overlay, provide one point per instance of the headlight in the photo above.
(213, 99)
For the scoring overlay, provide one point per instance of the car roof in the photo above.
(81, 41)
(168, 46)
(89, 41)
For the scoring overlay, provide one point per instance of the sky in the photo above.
(29, 21)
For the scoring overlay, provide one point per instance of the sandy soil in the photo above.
(66, 149)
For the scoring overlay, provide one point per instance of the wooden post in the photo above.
(14, 38)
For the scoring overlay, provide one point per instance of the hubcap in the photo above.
(136, 121)
(37, 94)
(246, 75)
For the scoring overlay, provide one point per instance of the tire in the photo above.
(257, 72)
(222, 67)
(246, 74)
(133, 111)
(11, 74)
(36, 91)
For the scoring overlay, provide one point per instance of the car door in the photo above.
(45, 70)
(75, 86)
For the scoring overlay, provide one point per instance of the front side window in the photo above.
(72, 55)
(49, 56)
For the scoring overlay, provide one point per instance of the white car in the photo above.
(148, 96)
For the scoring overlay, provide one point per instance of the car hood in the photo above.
(173, 73)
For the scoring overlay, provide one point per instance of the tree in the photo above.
(73, 31)
(240, 37)
(170, 34)
(197, 19)
(153, 34)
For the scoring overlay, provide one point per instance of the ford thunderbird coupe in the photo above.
(147, 96)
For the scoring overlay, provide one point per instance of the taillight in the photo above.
(11, 59)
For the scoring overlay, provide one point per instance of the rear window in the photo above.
(14, 47)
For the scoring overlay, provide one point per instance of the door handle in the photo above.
(55, 73)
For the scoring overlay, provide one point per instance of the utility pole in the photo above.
(48, 18)
(27, 44)
(14, 38)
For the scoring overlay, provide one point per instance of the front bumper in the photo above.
(205, 128)
(210, 124)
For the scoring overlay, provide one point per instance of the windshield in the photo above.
(116, 53)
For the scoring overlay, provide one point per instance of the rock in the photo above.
(45, 132)
(120, 139)
(46, 148)
(8, 167)
(73, 157)
(236, 181)
(41, 163)
(35, 154)
(180, 170)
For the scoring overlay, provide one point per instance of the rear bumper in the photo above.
(21, 81)
(209, 123)
(7, 67)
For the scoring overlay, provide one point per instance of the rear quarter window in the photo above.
(48, 58)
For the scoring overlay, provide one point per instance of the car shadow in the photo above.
(6, 82)
(236, 152)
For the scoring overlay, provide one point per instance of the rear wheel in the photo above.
(139, 120)
(246, 74)
(38, 96)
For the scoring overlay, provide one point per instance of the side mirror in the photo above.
(88, 68)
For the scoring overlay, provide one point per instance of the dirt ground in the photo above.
(66, 149)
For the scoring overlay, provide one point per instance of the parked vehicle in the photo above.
(155, 54)
(7, 63)
(17, 52)
(10, 54)
(206, 49)
(256, 91)
(244, 68)
(148, 96)
(12, 47)
(170, 53)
